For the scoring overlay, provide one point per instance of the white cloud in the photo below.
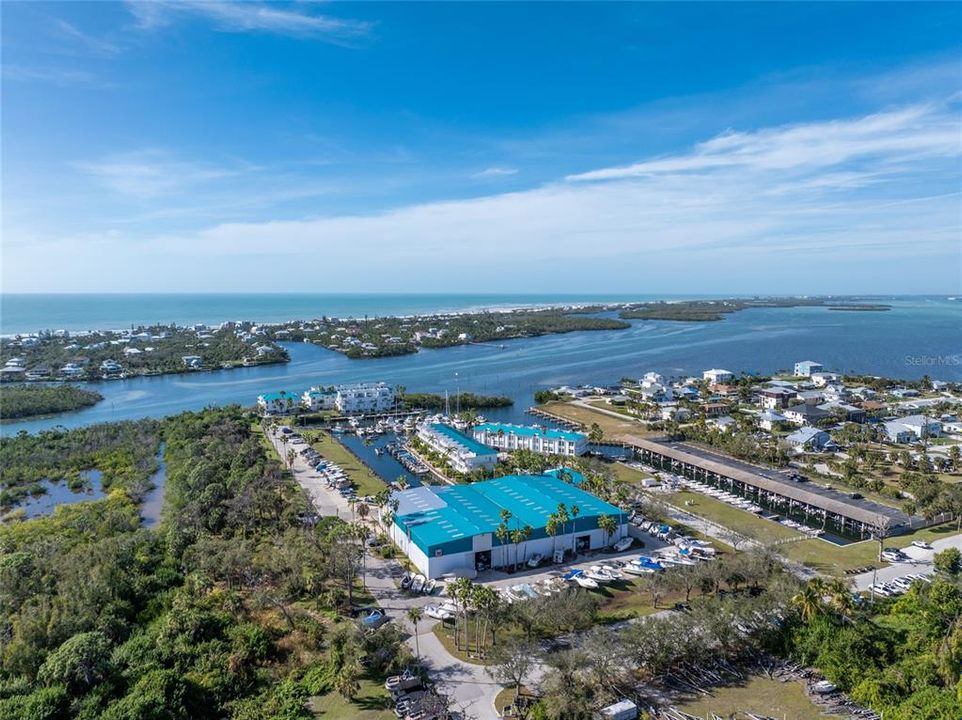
(908, 134)
(147, 174)
(858, 205)
(95, 45)
(64, 77)
(494, 172)
(249, 17)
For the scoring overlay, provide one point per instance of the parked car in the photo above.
(535, 560)
(921, 544)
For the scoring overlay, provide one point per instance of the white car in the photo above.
(437, 612)
(535, 560)
(921, 544)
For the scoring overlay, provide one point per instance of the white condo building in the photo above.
(544, 441)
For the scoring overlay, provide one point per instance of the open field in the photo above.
(372, 703)
(366, 482)
(628, 474)
(611, 426)
(760, 696)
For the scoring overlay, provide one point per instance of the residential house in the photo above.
(769, 419)
(716, 376)
(912, 428)
(724, 423)
(775, 397)
(278, 403)
(805, 414)
(192, 361)
(809, 438)
(806, 367)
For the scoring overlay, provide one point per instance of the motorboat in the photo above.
(406, 581)
(623, 544)
(613, 571)
(578, 576)
(634, 568)
(417, 585)
(598, 575)
(824, 687)
(430, 586)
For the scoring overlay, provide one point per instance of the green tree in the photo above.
(80, 662)
(948, 562)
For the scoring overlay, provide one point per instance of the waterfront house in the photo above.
(110, 369)
(277, 403)
(365, 398)
(806, 367)
(192, 361)
(716, 376)
(821, 379)
(541, 440)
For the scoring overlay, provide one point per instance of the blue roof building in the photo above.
(542, 440)
(452, 529)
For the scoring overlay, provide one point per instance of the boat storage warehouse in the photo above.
(451, 529)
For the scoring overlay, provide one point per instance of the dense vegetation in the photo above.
(230, 609)
(162, 352)
(125, 453)
(465, 400)
(20, 401)
(712, 310)
(380, 337)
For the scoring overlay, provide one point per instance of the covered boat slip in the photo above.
(819, 506)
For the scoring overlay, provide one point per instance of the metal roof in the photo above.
(529, 431)
(864, 511)
(435, 515)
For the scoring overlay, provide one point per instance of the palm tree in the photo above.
(551, 528)
(461, 590)
(809, 599)
(503, 534)
(290, 458)
(414, 615)
(563, 517)
(609, 525)
(575, 512)
(517, 536)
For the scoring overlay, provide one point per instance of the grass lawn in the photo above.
(628, 474)
(468, 653)
(371, 703)
(365, 481)
(611, 426)
(760, 696)
(626, 599)
(765, 531)
(826, 557)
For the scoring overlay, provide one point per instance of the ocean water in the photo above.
(22, 313)
(919, 336)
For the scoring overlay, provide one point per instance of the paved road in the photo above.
(471, 688)
(920, 564)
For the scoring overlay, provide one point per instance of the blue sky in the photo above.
(730, 148)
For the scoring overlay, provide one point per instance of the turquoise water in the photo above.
(919, 336)
(30, 313)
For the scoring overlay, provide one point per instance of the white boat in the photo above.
(406, 581)
(613, 572)
(417, 585)
(598, 575)
(430, 586)
(586, 582)
(635, 569)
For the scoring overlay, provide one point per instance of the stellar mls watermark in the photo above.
(933, 360)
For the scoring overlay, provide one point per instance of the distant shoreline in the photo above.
(32, 313)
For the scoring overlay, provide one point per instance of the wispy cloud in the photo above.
(495, 172)
(95, 45)
(148, 174)
(911, 133)
(256, 17)
(63, 77)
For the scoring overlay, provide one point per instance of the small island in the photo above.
(714, 310)
(24, 401)
(465, 400)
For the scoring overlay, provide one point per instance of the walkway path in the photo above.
(470, 687)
